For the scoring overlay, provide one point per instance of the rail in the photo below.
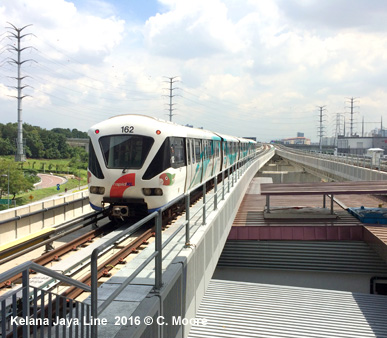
(234, 173)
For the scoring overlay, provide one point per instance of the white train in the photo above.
(137, 164)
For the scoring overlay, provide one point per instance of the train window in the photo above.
(177, 152)
(160, 162)
(94, 166)
(125, 151)
(187, 145)
(205, 149)
(217, 148)
(197, 150)
(191, 149)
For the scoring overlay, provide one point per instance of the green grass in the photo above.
(39, 194)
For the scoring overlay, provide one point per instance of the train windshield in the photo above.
(125, 151)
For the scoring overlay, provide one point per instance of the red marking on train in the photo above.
(124, 182)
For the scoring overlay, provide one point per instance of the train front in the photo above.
(120, 150)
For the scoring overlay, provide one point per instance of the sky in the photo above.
(239, 67)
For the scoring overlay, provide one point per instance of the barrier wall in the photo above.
(330, 169)
(27, 219)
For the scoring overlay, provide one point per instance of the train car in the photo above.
(137, 163)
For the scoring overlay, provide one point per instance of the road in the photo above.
(49, 181)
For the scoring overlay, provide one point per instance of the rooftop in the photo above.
(240, 309)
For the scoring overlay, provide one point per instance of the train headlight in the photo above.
(147, 191)
(97, 190)
(158, 192)
(152, 191)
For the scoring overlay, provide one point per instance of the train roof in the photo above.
(147, 123)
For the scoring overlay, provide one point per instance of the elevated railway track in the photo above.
(62, 298)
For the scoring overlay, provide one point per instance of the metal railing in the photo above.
(233, 174)
(32, 312)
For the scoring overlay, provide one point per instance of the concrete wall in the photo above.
(187, 277)
(333, 170)
(16, 228)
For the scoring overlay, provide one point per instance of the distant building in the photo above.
(328, 141)
(359, 145)
(296, 140)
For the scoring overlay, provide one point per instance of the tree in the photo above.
(40, 143)
(35, 146)
(6, 147)
(12, 175)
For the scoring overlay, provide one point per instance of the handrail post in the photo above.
(204, 204)
(216, 192)
(26, 301)
(158, 248)
(228, 180)
(222, 185)
(94, 292)
(187, 234)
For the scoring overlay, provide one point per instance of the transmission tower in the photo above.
(16, 34)
(321, 127)
(171, 96)
(338, 130)
(352, 101)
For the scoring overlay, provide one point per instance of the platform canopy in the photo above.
(336, 188)
(325, 188)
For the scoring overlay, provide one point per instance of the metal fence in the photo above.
(33, 312)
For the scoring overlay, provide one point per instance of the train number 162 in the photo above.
(127, 129)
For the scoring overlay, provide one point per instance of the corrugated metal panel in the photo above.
(342, 256)
(239, 309)
(298, 233)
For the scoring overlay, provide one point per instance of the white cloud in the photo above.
(192, 29)
(269, 62)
